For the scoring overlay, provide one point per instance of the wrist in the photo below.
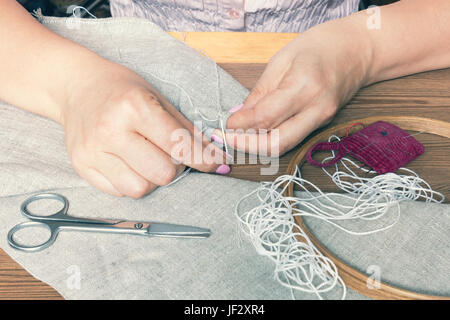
(357, 60)
(79, 76)
(347, 51)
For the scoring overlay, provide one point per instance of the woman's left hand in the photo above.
(302, 88)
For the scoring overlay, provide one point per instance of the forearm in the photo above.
(37, 66)
(414, 36)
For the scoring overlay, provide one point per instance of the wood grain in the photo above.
(353, 278)
(16, 283)
(237, 47)
(426, 94)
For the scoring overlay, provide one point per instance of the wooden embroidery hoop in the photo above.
(352, 278)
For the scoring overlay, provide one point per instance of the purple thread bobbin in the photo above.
(382, 146)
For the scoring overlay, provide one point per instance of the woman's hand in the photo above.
(302, 87)
(119, 133)
(122, 136)
(307, 81)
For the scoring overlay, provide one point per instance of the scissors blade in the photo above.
(177, 231)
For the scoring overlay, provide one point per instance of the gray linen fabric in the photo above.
(34, 159)
(414, 254)
(145, 48)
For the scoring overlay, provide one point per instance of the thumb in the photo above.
(240, 118)
(257, 93)
(269, 80)
(273, 109)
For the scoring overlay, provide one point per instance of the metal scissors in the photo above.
(60, 220)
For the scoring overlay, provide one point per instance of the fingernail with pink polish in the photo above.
(217, 139)
(233, 110)
(223, 169)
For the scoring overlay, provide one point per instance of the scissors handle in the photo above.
(32, 248)
(61, 214)
(39, 221)
(50, 222)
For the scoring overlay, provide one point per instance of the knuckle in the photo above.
(134, 103)
(130, 109)
(262, 121)
(104, 129)
(167, 174)
(158, 110)
(139, 189)
(328, 113)
(209, 167)
(134, 95)
(314, 85)
(257, 91)
(77, 160)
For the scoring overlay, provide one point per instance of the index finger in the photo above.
(186, 146)
(278, 140)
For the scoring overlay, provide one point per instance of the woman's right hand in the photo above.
(120, 133)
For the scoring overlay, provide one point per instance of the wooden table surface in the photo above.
(244, 56)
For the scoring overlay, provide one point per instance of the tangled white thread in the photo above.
(79, 8)
(399, 187)
(219, 116)
(271, 227)
(299, 265)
